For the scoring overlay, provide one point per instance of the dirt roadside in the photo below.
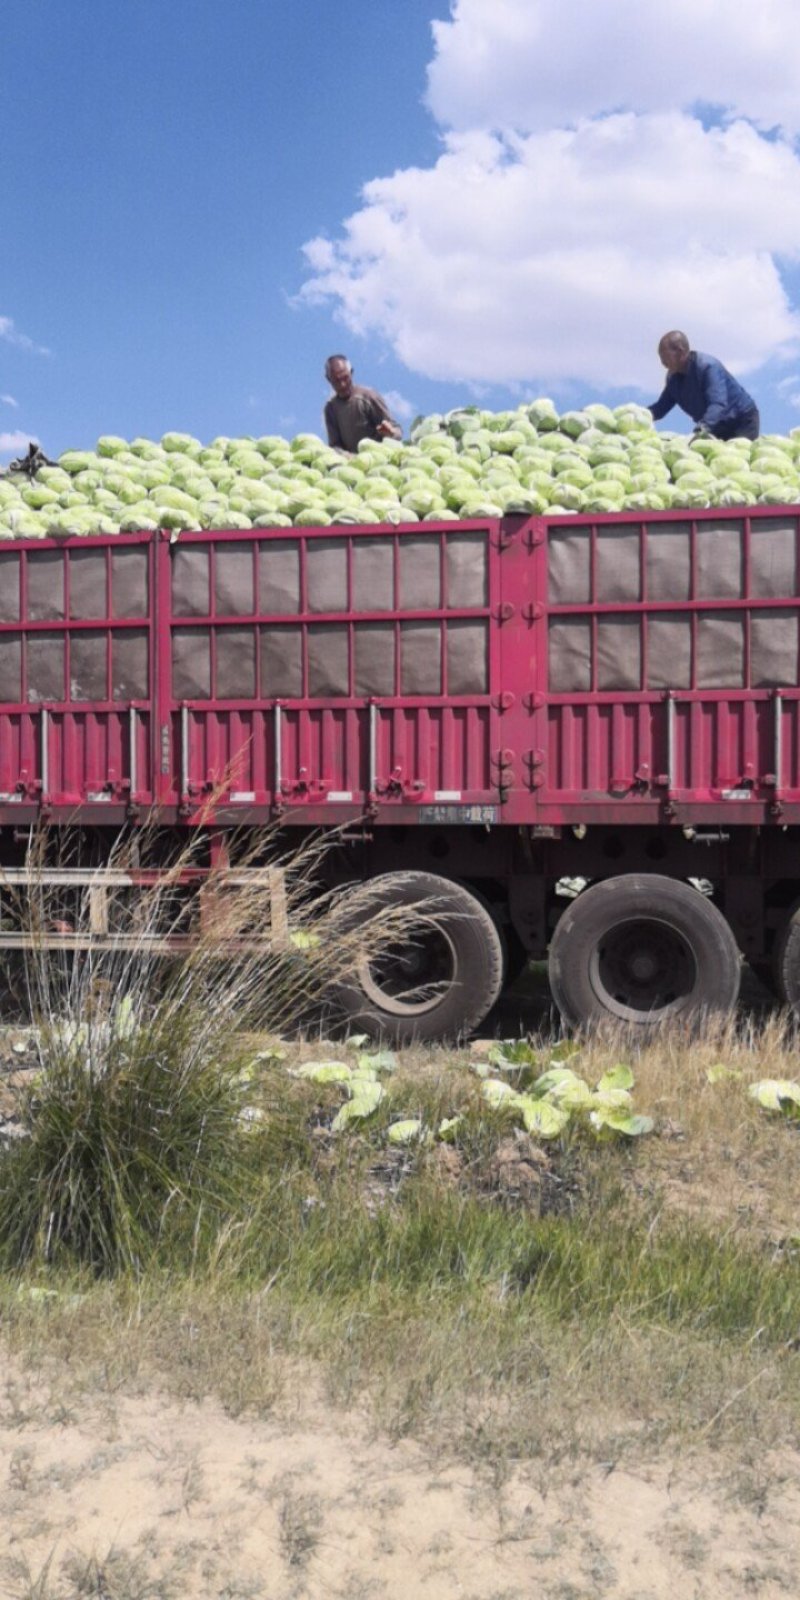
(131, 1496)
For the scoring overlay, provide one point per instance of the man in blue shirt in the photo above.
(705, 390)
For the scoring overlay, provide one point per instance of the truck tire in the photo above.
(786, 960)
(440, 983)
(641, 950)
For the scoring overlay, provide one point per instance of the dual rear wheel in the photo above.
(636, 951)
(786, 961)
(642, 950)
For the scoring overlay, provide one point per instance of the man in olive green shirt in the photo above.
(355, 413)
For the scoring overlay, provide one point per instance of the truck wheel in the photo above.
(641, 950)
(439, 982)
(786, 960)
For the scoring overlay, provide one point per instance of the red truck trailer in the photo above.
(487, 712)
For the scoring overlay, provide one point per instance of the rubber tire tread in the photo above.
(478, 949)
(786, 960)
(598, 908)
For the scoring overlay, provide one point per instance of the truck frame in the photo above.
(575, 737)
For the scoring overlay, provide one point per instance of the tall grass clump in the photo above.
(137, 1128)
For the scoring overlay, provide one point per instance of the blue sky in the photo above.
(160, 176)
(166, 167)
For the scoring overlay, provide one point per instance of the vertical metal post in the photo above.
(98, 908)
(278, 749)
(184, 751)
(778, 735)
(670, 743)
(45, 753)
(373, 747)
(278, 908)
(133, 752)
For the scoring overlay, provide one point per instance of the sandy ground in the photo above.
(128, 1497)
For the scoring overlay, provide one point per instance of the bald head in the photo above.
(674, 351)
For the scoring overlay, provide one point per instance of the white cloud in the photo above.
(531, 64)
(789, 390)
(400, 407)
(565, 254)
(11, 442)
(12, 335)
(578, 208)
(8, 400)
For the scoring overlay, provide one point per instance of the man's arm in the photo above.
(332, 425)
(663, 404)
(714, 394)
(384, 421)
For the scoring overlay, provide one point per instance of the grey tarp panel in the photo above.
(467, 657)
(129, 581)
(374, 658)
(279, 577)
(720, 650)
(328, 669)
(420, 578)
(88, 665)
(11, 667)
(619, 655)
(191, 663)
(45, 585)
(618, 573)
(373, 574)
(569, 575)
(467, 576)
(326, 568)
(281, 663)
(773, 558)
(570, 654)
(669, 652)
(45, 666)
(720, 565)
(420, 658)
(773, 649)
(669, 565)
(9, 586)
(236, 663)
(190, 581)
(234, 580)
(88, 584)
(130, 677)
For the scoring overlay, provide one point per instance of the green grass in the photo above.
(477, 1324)
(607, 1258)
(632, 1292)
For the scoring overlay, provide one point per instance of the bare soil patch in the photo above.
(135, 1495)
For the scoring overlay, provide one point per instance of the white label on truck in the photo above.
(737, 794)
(339, 794)
(440, 815)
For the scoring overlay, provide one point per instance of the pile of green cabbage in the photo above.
(467, 463)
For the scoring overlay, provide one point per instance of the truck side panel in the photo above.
(77, 651)
(328, 671)
(667, 667)
(614, 670)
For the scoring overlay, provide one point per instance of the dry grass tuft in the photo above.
(137, 1122)
(719, 1159)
